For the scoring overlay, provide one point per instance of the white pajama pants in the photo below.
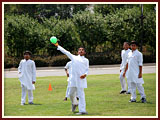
(67, 91)
(81, 95)
(123, 82)
(23, 97)
(140, 89)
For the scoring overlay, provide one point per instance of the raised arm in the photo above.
(70, 56)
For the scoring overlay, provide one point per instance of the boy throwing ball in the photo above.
(77, 82)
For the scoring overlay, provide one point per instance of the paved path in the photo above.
(93, 70)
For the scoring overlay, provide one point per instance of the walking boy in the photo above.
(134, 66)
(27, 77)
(68, 70)
(124, 55)
(77, 82)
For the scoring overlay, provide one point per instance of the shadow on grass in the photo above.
(144, 103)
(33, 104)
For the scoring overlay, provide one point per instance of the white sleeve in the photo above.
(33, 72)
(70, 56)
(20, 67)
(67, 66)
(121, 61)
(140, 60)
(87, 68)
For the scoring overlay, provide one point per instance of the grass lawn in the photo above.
(102, 97)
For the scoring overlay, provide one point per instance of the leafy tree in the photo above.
(91, 29)
(39, 11)
(65, 31)
(106, 9)
(23, 33)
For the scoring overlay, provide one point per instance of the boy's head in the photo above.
(126, 45)
(134, 45)
(81, 51)
(27, 55)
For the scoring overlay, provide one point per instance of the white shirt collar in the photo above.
(81, 56)
(134, 51)
(26, 60)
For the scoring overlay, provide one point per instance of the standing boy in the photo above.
(124, 55)
(27, 77)
(134, 66)
(68, 70)
(77, 82)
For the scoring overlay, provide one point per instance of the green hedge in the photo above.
(61, 60)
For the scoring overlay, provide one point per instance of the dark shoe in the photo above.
(143, 100)
(65, 99)
(77, 98)
(132, 100)
(122, 91)
(128, 92)
(82, 113)
(74, 107)
(31, 103)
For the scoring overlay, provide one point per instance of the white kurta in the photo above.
(27, 70)
(69, 68)
(135, 59)
(80, 66)
(124, 55)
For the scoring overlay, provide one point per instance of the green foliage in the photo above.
(101, 31)
(39, 11)
(106, 9)
(64, 30)
(126, 22)
(21, 33)
(91, 29)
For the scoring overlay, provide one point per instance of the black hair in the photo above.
(134, 42)
(27, 51)
(127, 43)
(83, 48)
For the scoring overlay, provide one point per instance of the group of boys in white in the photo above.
(131, 67)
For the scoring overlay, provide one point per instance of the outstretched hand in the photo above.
(56, 44)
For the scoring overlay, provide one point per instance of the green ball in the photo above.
(53, 40)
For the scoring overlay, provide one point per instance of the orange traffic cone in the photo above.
(49, 88)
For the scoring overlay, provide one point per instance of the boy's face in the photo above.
(125, 46)
(133, 47)
(26, 56)
(81, 51)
